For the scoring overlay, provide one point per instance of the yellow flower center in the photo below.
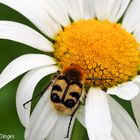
(102, 49)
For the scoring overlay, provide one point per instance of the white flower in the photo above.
(104, 118)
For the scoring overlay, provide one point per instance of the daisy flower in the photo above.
(100, 36)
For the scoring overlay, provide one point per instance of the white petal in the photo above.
(24, 34)
(132, 16)
(36, 15)
(137, 79)
(103, 8)
(116, 133)
(23, 64)
(97, 115)
(42, 124)
(81, 115)
(75, 9)
(51, 26)
(125, 91)
(123, 126)
(63, 6)
(88, 8)
(118, 9)
(26, 88)
(136, 34)
(60, 129)
(55, 11)
(42, 103)
(136, 108)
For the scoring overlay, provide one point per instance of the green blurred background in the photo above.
(9, 50)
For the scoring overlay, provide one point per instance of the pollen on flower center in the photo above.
(102, 49)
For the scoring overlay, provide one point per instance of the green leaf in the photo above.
(79, 132)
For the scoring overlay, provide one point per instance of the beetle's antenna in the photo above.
(96, 79)
(41, 93)
(67, 136)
